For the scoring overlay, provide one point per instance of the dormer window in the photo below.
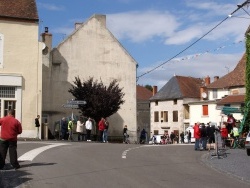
(175, 101)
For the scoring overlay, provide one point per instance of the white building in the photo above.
(227, 91)
(169, 109)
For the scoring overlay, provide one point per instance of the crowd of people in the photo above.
(206, 135)
(67, 129)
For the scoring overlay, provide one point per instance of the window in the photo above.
(215, 95)
(205, 110)
(7, 92)
(156, 103)
(175, 101)
(156, 116)
(1, 50)
(165, 116)
(7, 99)
(175, 116)
(9, 105)
(156, 132)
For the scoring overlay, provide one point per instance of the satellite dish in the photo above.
(43, 45)
(204, 95)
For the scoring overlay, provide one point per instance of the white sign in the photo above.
(76, 102)
(70, 106)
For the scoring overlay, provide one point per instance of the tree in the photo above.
(101, 101)
(149, 87)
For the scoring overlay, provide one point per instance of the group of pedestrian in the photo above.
(209, 133)
(67, 129)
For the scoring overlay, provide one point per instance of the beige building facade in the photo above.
(20, 64)
(90, 51)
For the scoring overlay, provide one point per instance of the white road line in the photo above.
(30, 155)
(124, 153)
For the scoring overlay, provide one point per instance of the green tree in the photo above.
(246, 118)
(101, 100)
(149, 87)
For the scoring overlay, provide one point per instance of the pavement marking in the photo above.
(30, 155)
(124, 153)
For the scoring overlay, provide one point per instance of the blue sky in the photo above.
(154, 31)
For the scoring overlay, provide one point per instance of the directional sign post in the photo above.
(73, 104)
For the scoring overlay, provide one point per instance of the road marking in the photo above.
(30, 155)
(124, 153)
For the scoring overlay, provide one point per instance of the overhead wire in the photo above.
(189, 46)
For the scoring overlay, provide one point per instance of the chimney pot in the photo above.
(46, 29)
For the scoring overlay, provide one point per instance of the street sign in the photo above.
(76, 102)
(70, 106)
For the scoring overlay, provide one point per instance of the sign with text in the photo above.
(76, 102)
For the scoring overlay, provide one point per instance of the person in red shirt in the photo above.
(10, 128)
(197, 136)
(224, 134)
(101, 127)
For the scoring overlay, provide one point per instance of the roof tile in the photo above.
(18, 9)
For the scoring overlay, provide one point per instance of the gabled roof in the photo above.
(237, 99)
(179, 87)
(235, 78)
(18, 10)
(143, 93)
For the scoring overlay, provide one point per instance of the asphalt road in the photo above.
(92, 165)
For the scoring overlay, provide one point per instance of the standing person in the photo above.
(203, 132)
(189, 137)
(197, 136)
(182, 137)
(125, 134)
(230, 123)
(64, 128)
(79, 128)
(10, 128)
(143, 136)
(177, 138)
(172, 137)
(70, 129)
(37, 124)
(101, 127)
(210, 134)
(224, 134)
(89, 127)
(105, 131)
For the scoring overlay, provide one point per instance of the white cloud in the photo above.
(51, 7)
(142, 26)
(208, 64)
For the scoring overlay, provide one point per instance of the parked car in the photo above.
(157, 139)
(247, 144)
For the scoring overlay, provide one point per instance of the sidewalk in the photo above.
(236, 164)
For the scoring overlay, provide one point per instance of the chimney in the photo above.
(47, 39)
(77, 25)
(154, 90)
(203, 94)
(207, 80)
(216, 78)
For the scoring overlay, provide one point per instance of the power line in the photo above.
(230, 15)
